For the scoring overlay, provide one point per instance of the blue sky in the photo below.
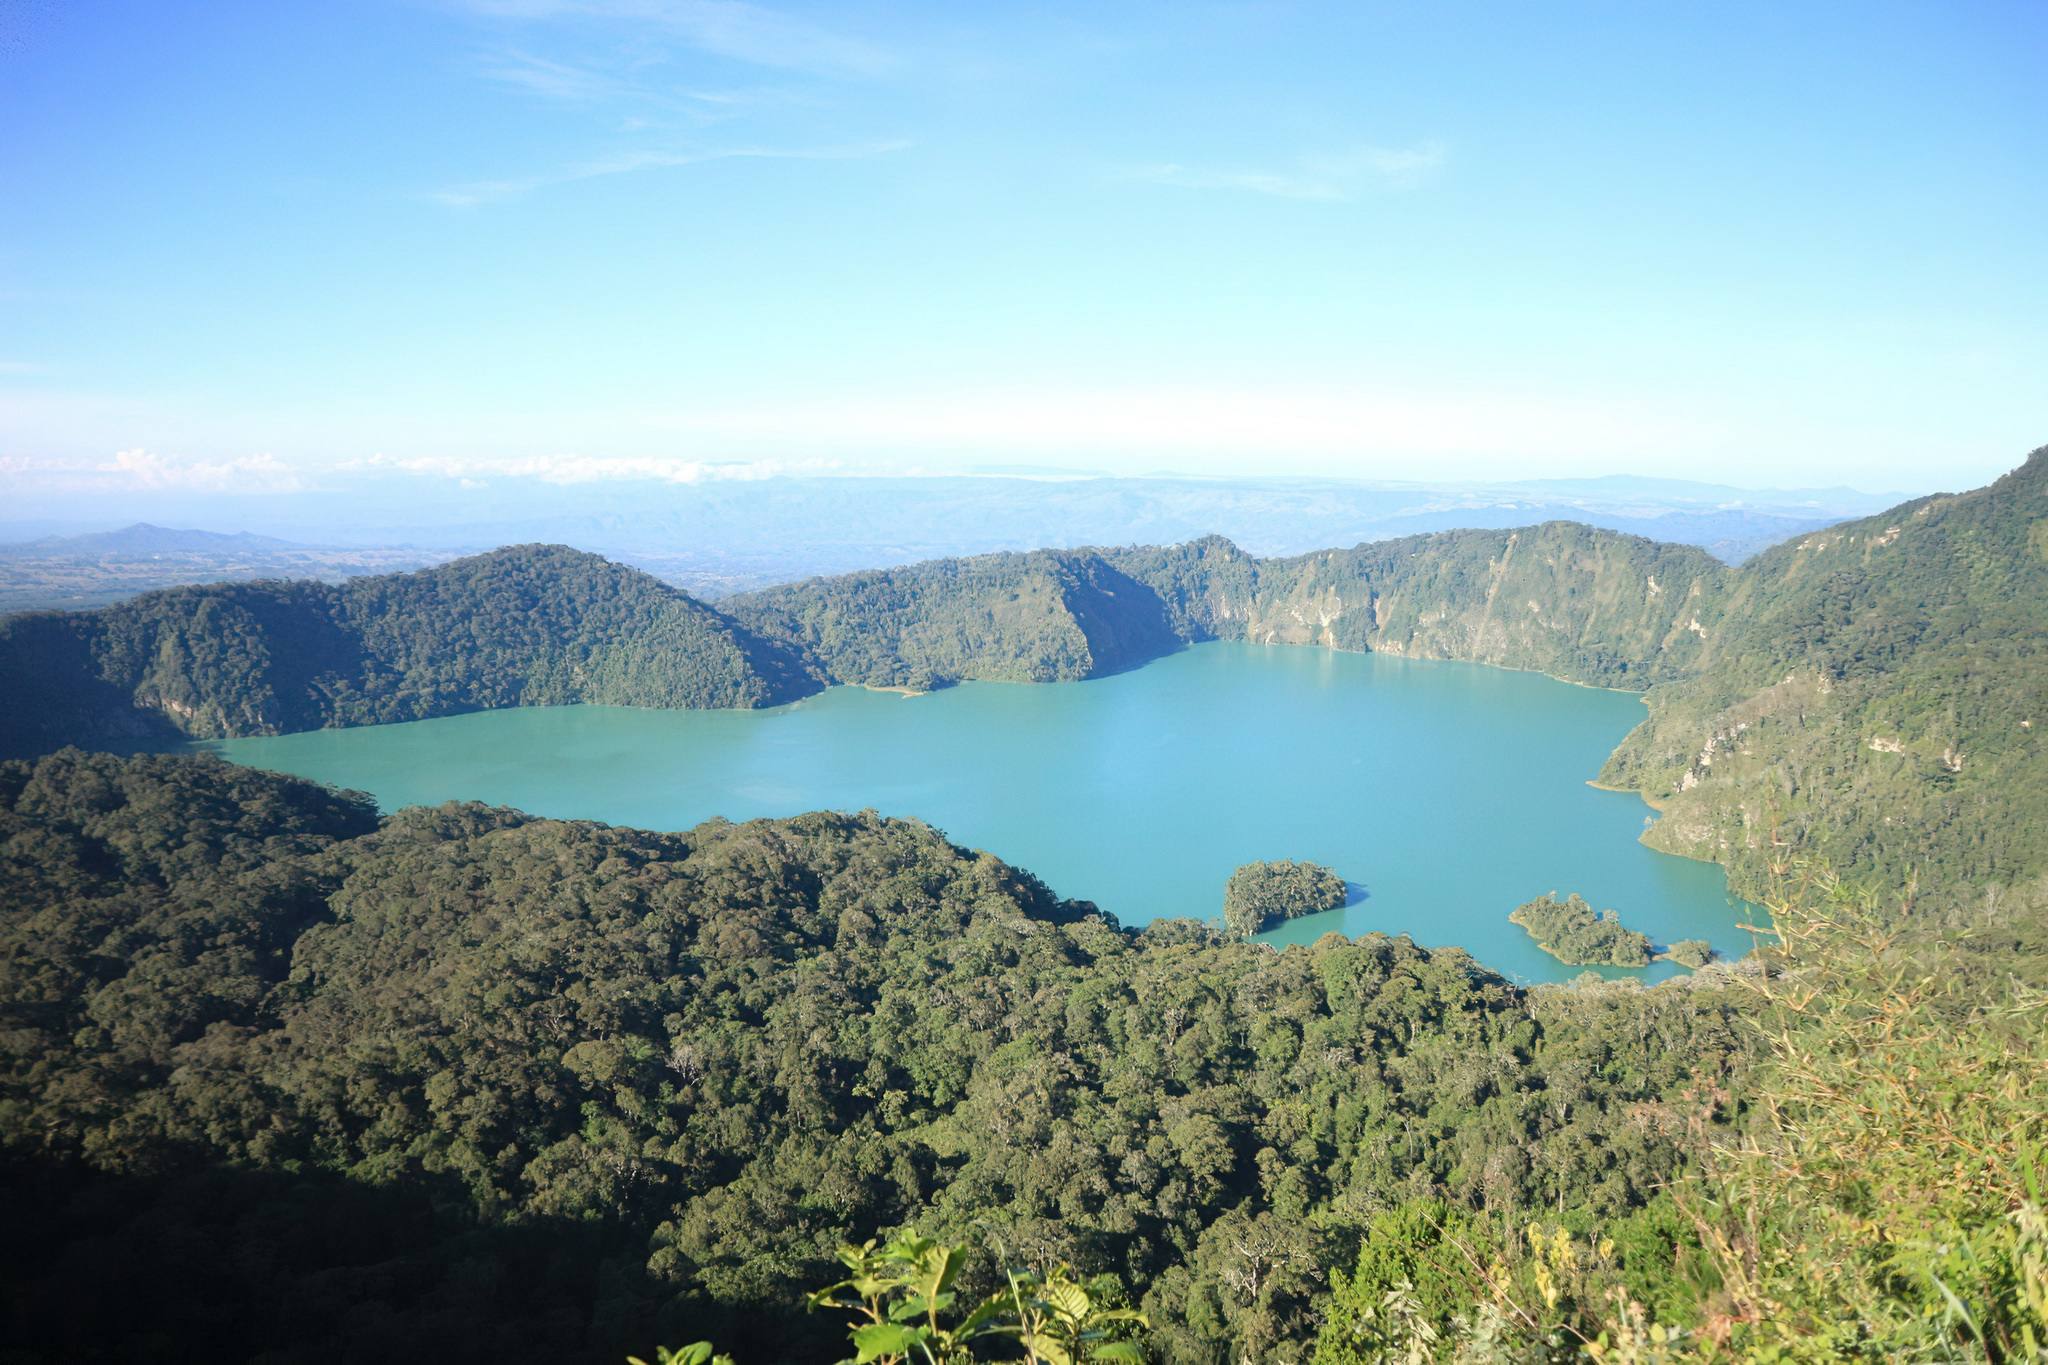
(269, 245)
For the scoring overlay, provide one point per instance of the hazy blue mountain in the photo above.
(1612, 488)
(144, 539)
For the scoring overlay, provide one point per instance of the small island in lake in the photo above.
(1690, 952)
(1259, 893)
(1571, 931)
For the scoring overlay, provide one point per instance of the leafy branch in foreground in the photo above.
(900, 1299)
(696, 1353)
(900, 1296)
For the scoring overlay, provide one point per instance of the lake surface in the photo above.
(1448, 793)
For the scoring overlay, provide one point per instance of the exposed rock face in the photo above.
(1559, 598)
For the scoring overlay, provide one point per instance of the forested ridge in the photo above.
(530, 625)
(1873, 692)
(1048, 616)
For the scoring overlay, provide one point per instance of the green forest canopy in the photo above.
(483, 1082)
(282, 1078)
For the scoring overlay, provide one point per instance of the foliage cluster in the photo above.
(901, 1301)
(1690, 952)
(1888, 1199)
(1259, 893)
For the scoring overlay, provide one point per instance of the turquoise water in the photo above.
(1448, 793)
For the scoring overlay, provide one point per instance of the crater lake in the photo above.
(1447, 794)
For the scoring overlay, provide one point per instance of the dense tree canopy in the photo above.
(1690, 952)
(657, 1079)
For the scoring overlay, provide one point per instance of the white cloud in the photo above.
(1335, 176)
(139, 470)
(555, 80)
(724, 28)
(475, 192)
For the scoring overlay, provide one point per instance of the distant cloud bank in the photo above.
(140, 470)
(474, 471)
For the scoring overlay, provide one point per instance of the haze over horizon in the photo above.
(255, 249)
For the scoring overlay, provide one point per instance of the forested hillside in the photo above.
(1593, 606)
(1041, 617)
(464, 1084)
(533, 625)
(1876, 693)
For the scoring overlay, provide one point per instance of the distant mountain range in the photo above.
(1692, 491)
(143, 539)
(722, 537)
(777, 530)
